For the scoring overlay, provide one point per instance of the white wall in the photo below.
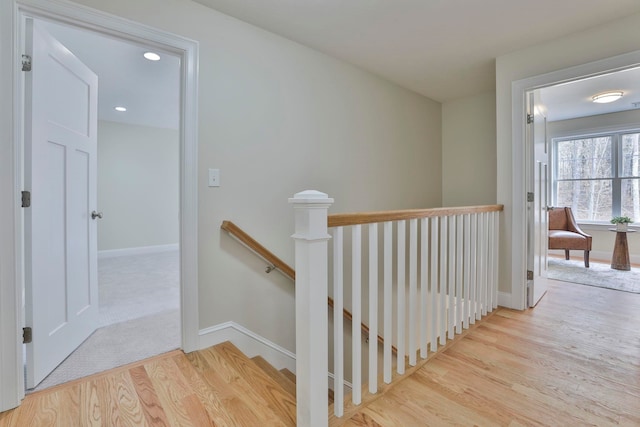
(469, 151)
(276, 118)
(597, 43)
(137, 186)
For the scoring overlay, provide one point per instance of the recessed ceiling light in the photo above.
(606, 97)
(152, 56)
(121, 109)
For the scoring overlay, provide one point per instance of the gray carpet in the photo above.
(600, 275)
(139, 316)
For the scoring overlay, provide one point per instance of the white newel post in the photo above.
(312, 364)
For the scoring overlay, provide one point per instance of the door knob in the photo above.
(95, 215)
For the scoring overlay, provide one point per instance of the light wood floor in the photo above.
(573, 360)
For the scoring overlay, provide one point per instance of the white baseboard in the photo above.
(604, 256)
(504, 299)
(141, 250)
(250, 343)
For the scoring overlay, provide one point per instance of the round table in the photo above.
(620, 259)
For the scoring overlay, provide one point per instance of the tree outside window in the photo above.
(598, 176)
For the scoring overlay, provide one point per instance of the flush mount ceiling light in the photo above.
(152, 56)
(606, 97)
(120, 109)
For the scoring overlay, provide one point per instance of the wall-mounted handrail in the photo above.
(255, 246)
(276, 262)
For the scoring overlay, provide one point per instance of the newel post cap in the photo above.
(310, 196)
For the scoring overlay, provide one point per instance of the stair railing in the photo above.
(446, 263)
(275, 263)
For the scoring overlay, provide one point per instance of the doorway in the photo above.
(588, 74)
(138, 173)
(12, 387)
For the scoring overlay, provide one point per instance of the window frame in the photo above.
(616, 179)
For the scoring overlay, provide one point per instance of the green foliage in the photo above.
(621, 220)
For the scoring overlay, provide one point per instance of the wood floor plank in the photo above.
(90, 414)
(257, 390)
(241, 408)
(171, 389)
(279, 401)
(209, 398)
(284, 381)
(287, 373)
(151, 404)
(361, 420)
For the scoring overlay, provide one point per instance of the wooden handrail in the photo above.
(270, 257)
(346, 219)
(253, 244)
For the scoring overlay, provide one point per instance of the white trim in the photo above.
(594, 256)
(11, 256)
(347, 385)
(250, 343)
(519, 157)
(504, 300)
(140, 250)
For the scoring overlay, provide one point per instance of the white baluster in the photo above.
(451, 281)
(311, 265)
(424, 291)
(388, 299)
(338, 323)
(487, 251)
(459, 262)
(490, 262)
(496, 253)
(433, 294)
(413, 289)
(442, 308)
(473, 285)
(482, 251)
(401, 241)
(373, 308)
(356, 307)
(467, 270)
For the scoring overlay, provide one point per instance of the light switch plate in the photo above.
(214, 177)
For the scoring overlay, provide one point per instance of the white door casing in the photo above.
(538, 184)
(61, 285)
(13, 13)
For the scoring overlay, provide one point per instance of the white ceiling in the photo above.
(442, 49)
(574, 99)
(149, 90)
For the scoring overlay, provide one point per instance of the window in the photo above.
(598, 176)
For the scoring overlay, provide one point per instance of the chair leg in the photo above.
(566, 254)
(586, 259)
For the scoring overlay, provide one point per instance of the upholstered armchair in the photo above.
(564, 233)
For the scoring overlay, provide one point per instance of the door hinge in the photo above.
(529, 275)
(26, 199)
(530, 197)
(529, 119)
(27, 335)
(26, 63)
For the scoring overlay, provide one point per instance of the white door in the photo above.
(538, 184)
(61, 301)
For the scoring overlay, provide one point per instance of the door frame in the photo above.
(13, 14)
(521, 158)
